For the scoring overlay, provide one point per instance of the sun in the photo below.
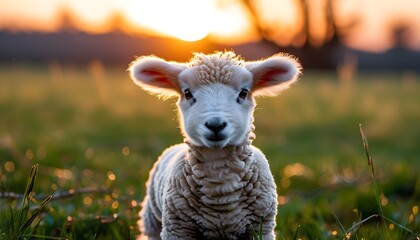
(188, 20)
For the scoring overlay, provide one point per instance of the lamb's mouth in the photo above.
(216, 137)
(216, 140)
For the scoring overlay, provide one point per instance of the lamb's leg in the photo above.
(175, 228)
(150, 226)
(165, 235)
(268, 230)
(271, 236)
(169, 236)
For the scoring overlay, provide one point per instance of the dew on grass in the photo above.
(115, 204)
(9, 166)
(391, 226)
(133, 203)
(29, 154)
(125, 150)
(87, 200)
(415, 210)
(111, 176)
(283, 200)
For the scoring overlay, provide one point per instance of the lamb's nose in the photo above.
(216, 125)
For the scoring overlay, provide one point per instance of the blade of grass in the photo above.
(372, 168)
(295, 236)
(377, 194)
(21, 222)
(374, 182)
(26, 201)
(257, 236)
(45, 237)
(11, 222)
(358, 224)
(36, 213)
(340, 226)
(400, 226)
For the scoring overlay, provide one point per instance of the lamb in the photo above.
(215, 185)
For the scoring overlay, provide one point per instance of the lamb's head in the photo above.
(216, 92)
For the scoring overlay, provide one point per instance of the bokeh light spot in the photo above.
(125, 151)
(87, 201)
(29, 154)
(111, 176)
(89, 153)
(9, 166)
(391, 226)
(115, 204)
(283, 200)
(415, 210)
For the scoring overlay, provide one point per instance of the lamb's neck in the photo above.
(226, 155)
(231, 157)
(220, 175)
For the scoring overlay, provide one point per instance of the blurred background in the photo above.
(322, 33)
(67, 104)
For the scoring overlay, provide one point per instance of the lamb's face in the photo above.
(217, 113)
(215, 91)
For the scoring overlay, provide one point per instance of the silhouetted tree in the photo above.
(66, 19)
(264, 33)
(401, 31)
(333, 31)
(117, 22)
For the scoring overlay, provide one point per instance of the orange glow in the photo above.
(317, 31)
(189, 20)
(223, 21)
(231, 23)
(282, 19)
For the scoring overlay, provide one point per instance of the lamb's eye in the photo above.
(187, 93)
(243, 93)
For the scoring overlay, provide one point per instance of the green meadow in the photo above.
(95, 135)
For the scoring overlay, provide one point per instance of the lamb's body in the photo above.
(209, 195)
(216, 185)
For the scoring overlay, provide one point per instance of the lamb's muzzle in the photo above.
(216, 185)
(216, 126)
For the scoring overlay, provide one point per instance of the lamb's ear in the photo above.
(273, 75)
(156, 75)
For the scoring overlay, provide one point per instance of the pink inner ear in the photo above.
(157, 76)
(269, 76)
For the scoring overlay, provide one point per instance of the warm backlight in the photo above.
(189, 20)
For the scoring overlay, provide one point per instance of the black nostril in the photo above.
(216, 125)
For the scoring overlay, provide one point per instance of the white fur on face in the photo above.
(213, 111)
(216, 103)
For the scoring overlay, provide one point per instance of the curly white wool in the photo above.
(216, 185)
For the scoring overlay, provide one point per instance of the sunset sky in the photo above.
(221, 20)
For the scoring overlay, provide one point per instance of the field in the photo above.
(95, 135)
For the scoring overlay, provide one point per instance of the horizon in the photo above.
(371, 28)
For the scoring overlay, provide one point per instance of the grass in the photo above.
(17, 222)
(95, 136)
